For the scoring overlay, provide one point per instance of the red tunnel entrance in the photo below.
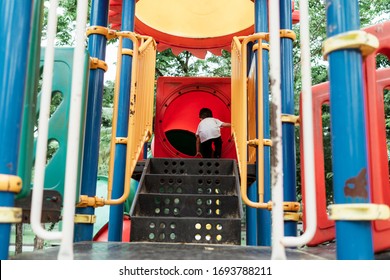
(178, 102)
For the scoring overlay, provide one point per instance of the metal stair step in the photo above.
(207, 206)
(184, 166)
(186, 229)
(190, 184)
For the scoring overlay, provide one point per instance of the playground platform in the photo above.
(175, 251)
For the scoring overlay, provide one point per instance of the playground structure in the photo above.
(256, 40)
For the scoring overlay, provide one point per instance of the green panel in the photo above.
(58, 122)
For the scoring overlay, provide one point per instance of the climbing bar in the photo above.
(95, 63)
(10, 183)
(86, 201)
(84, 219)
(106, 32)
(10, 215)
(286, 118)
(127, 51)
(287, 33)
(359, 39)
(359, 212)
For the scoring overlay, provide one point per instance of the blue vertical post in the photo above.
(263, 215)
(96, 48)
(116, 211)
(14, 48)
(288, 129)
(348, 129)
(251, 217)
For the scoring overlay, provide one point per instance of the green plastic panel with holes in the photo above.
(59, 118)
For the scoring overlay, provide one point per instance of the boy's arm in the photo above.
(224, 124)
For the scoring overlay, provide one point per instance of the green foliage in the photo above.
(187, 65)
(66, 24)
(104, 151)
(108, 94)
(373, 12)
(387, 114)
(106, 130)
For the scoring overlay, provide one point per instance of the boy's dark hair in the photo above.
(205, 113)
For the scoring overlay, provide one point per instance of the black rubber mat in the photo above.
(176, 251)
(163, 251)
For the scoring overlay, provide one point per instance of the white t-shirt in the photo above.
(209, 128)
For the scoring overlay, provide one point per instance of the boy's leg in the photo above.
(218, 147)
(206, 149)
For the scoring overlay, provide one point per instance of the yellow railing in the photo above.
(141, 106)
(244, 116)
(140, 123)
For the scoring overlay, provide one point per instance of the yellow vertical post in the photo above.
(241, 114)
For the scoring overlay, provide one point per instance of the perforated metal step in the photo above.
(191, 166)
(187, 205)
(187, 200)
(188, 230)
(194, 184)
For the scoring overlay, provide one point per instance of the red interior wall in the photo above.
(178, 102)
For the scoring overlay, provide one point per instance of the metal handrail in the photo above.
(308, 134)
(43, 129)
(241, 114)
(140, 111)
(279, 240)
(71, 170)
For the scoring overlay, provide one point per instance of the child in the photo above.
(208, 132)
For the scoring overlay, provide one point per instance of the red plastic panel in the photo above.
(325, 227)
(378, 164)
(375, 83)
(102, 234)
(178, 102)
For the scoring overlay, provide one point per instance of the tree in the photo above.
(187, 65)
(66, 24)
(106, 128)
